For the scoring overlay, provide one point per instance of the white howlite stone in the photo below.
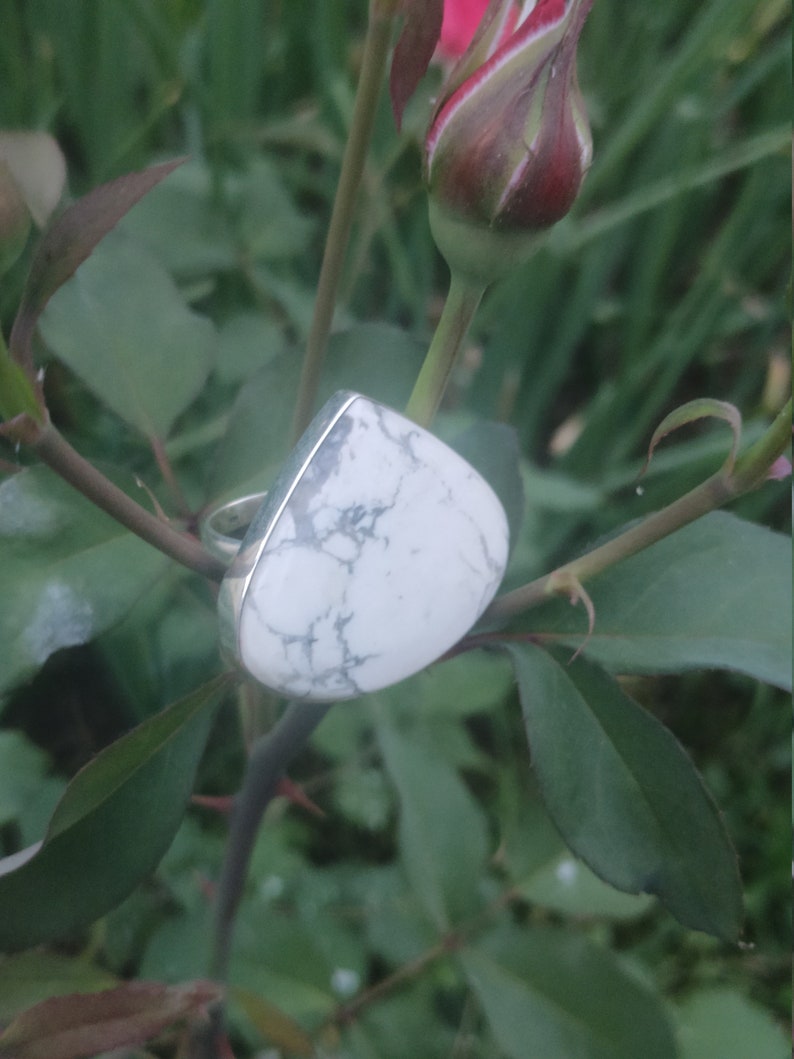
(385, 553)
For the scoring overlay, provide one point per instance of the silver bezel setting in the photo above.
(234, 587)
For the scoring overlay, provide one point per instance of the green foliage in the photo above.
(30, 977)
(69, 572)
(99, 331)
(714, 594)
(722, 1024)
(69, 241)
(455, 872)
(548, 993)
(116, 819)
(442, 831)
(16, 393)
(624, 795)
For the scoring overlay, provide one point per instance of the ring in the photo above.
(223, 530)
(373, 552)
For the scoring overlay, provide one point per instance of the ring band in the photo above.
(223, 530)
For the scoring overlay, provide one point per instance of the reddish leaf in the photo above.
(70, 239)
(85, 1024)
(414, 50)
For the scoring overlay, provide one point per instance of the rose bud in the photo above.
(509, 143)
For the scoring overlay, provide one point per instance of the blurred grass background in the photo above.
(669, 280)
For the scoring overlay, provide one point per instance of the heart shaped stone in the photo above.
(375, 550)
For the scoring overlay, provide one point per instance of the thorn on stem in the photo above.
(563, 582)
(293, 792)
(155, 502)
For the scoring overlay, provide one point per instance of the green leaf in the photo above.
(277, 1028)
(377, 359)
(29, 977)
(566, 885)
(701, 408)
(67, 1027)
(194, 231)
(254, 444)
(124, 328)
(492, 449)
(22, 768)
(68, 572)
(184, 224)
(110, 829)
(17, 396)
(552, 994)
(16, 393)
(624, 795)
(71, 238)
(246, 342)
(443, 843)
(542, 869)
(724, 1024)
(270, 227)
(469, 683)
(716, 594)
(282, 955)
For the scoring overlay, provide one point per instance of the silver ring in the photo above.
(223, 530)
(375, 549)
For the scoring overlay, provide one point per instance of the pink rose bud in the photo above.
(462, 19)
(509, 143)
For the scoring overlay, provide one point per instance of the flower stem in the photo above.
(750, 471)
(54, 450)
(752, 468)
(376, 50)
(270, 757)
(456, 317)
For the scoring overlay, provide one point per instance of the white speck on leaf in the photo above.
(566, 871)
(345, 982)
(271, 888)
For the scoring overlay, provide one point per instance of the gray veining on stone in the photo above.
(386, 552)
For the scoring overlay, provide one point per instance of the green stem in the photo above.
(376, 51)
(270, 757)
(456, 317)
(752, 468)
(749, 472)
(54, 450)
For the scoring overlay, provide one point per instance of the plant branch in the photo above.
(54, 450)
(169, 477)
(376, 50)
(269, 760)
(450, 942)
(348, 1012)
(456, 317)
(749, 472)
(753, 466)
